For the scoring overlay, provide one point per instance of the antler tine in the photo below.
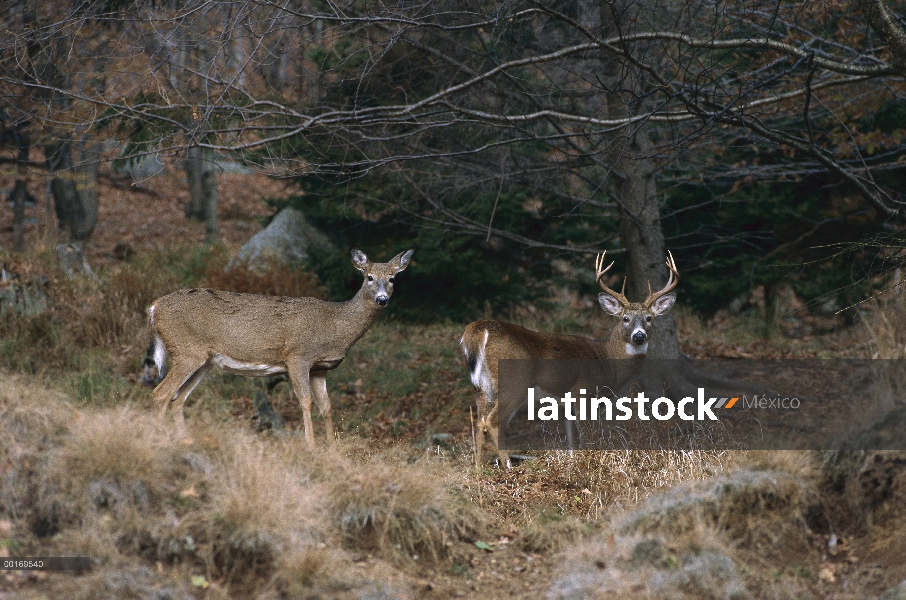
(599, 273)
(672, 281)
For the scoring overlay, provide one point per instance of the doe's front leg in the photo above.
(299, 376)
(318, 382)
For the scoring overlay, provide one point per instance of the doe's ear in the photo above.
(401, 260)
(663, 304)
(359, 260)
(610, 304)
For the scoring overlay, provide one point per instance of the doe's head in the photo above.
(636, 317)
(379, 277)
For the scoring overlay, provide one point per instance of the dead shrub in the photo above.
(622, 477)
(400, 508)
(885, 331)
(872, 485)
(120, 461)
(271, 279)
(29, 415)
(263, 508)
(110, 314)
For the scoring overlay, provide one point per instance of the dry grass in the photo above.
(260, 517)
(386, 505)
(619, 478)
(884, 330)
(275, 279)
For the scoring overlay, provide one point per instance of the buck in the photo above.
(485, 342)
(259, 336)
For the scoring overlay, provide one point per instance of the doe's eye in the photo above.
(370, 278)
(390, 279)
(625, 319)
(648, 319)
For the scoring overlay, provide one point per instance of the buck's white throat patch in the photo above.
(633, 350)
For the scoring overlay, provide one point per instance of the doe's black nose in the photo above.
(639, 337)
(381, 300)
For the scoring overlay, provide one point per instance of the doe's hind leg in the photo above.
(183, 394)
(181, 371)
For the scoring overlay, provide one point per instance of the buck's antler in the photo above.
(599, 273)
(671, 282)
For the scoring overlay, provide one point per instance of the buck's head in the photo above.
(636, 318)
(378, 284)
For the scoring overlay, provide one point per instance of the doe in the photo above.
(259, 336)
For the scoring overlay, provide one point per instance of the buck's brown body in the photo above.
(486, 342)
(258, 336)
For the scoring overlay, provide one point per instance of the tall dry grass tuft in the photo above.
(118, 461)
(620, 478)
(29, 415)
(885, 330)
(386, 506)
(264, 511)
(884, 334)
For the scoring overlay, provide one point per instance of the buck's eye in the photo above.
(648, 319)
(625, 319)
(370, 278)
(390, 279)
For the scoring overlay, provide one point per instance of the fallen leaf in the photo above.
(200, 582)
(189, 493)
(484, 546)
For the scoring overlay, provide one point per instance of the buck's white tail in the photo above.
(476, 355)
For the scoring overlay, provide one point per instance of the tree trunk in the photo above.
(209, 185)
(640, 220)
(643, 238)
(20, 194)
(195, 171)
(74, 190)
(202, 191)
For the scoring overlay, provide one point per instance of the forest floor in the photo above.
(395, 510)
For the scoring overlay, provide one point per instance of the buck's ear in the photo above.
(359, 260)
(610, 304)
(401, 260)
(663, 304)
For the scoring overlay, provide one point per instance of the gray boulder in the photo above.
(289, 239)
(645, 567)
(895, 593)
(72, 260)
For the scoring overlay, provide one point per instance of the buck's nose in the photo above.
(381, 300)
(639, 337)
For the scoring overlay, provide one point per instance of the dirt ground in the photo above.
(151, 215)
